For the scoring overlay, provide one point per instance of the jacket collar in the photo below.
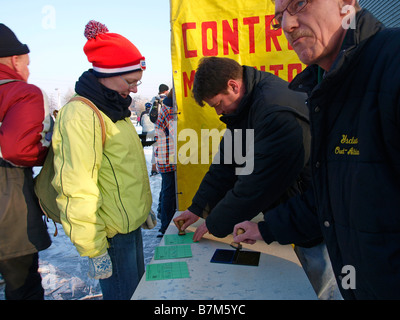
(366, 27)
(109, 101)
(8, 73)
(251, 77)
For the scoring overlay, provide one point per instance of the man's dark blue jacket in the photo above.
(278, 119)
(355, 160)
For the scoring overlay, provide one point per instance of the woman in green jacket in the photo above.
(103, 192)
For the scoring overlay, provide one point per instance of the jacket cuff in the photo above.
(265, 232)
(197, 210)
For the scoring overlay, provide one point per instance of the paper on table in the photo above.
(172, 252)
(177, 239)
(164, 271)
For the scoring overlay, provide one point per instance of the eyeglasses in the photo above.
(132, 85)
(293, 8)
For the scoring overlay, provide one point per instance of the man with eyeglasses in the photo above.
(103, 190)
(353, 87)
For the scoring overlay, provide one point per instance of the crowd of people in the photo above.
(326, 156)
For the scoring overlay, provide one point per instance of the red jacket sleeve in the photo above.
(25, 122)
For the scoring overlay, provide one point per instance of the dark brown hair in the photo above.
(212, 76)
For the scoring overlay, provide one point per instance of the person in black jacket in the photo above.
(353, 85)
(269, 123)
(278, 122)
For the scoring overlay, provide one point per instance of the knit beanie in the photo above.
(9, 44)
(110, 53)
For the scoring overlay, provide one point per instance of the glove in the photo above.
(100, 267)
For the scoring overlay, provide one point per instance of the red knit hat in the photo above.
(110, 53)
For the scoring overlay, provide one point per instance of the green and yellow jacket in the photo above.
(102, 191)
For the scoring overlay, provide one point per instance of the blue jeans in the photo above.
(126, 252)
(167, 199)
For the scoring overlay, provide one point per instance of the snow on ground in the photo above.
(64, 272)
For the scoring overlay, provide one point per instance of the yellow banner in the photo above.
(236, 29)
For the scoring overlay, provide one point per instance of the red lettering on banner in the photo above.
(276, 68)
(251, 21)
(204, 29)
(291, 68)
(188, 82)
(271, 35)
(185, 27)
(230, 36)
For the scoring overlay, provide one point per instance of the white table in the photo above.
(278, 276)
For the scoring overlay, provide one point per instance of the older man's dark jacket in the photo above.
(355, 161)
(278, 118)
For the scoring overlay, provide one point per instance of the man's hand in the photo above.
(200, 232)
(251, 234)
(188, 217)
